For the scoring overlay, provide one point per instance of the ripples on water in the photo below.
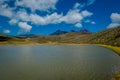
(57, 63)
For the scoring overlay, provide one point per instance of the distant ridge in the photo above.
(109, 37)
(59, 32)
(27, 36)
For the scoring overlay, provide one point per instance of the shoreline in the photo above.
(113, 48)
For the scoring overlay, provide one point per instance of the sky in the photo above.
(46, 16)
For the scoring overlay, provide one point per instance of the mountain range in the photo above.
(109, 37)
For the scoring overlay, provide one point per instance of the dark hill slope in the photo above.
(4, 38)
(110, 37)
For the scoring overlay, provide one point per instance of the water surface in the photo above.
(57, 63)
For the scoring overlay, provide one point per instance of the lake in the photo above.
(64, 62)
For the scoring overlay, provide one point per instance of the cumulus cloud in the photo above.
(89, 21)
(13, 21)
(48, 19)
(6, 31)
(24, 26)
(93, 22)
(6, 11)
(90, 2)
(78, 6)
(78, 25)
(73, 16)
(113, 25)
(42, 5)
(115, 19)
(86, 13)
(21, 17)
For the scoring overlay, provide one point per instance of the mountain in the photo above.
(4, 38)
(109, 37)
(59, 32)
(27, 36)
(84, 31)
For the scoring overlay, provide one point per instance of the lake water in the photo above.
(57, 63)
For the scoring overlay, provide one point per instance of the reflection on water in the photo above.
(57, 63)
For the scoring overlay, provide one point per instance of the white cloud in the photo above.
(115, 18)
(6, 31)
(42, 5)
(93, 22)
(90, 2)
(25, 26)
(86, 13)
(13, 21)
(87, 21)
(73, 16)
(113, 25)
(21, 17)
(6, 11)
(78, 25)
(48, 19)
(77, 5)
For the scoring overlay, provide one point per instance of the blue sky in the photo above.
(46, 16)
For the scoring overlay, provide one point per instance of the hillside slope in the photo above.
(109, 37)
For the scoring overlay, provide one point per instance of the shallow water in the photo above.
(57, 63)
